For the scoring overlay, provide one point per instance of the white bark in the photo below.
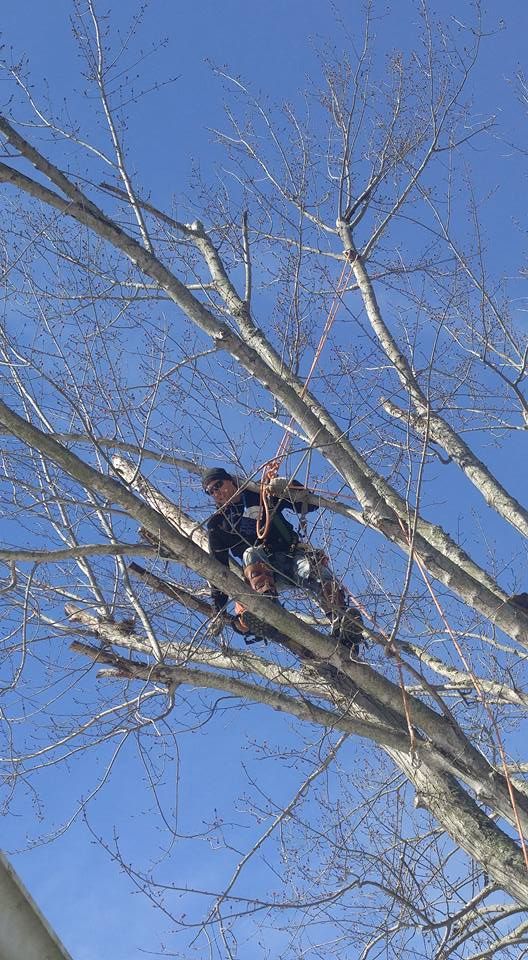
(386, 694)
(495, 495)
(382, 507)
(436, 787)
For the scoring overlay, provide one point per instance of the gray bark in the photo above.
(383, 508)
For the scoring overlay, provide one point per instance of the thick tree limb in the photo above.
(173, 514)
(303, 709)
(441, 732)
(382, 506)
(439, 430)
(436, 789)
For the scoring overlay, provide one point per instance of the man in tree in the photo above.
(273, 561)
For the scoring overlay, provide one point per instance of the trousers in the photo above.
(297, 569)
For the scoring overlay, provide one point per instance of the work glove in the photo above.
(281, 487)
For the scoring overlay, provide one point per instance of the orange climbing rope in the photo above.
(272, 467)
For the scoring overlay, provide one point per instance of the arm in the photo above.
(219, 549)
(291, 495)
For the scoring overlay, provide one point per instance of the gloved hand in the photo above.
(280, 486)
(216, 624)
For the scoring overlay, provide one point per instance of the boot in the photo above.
(346, 621)
(261, 580)
(239, 624)
(347, 629)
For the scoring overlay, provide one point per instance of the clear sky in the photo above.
(94, 907)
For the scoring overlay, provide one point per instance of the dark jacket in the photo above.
(233, 529)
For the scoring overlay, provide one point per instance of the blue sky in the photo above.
(90, 903)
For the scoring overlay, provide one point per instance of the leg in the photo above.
(258, 572)
(259, 575)
(313, 573)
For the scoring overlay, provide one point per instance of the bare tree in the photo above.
(137, 349)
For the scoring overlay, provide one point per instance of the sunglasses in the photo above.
(214, 487)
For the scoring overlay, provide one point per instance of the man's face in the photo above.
(223, 490)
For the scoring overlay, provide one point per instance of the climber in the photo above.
(279, 562)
